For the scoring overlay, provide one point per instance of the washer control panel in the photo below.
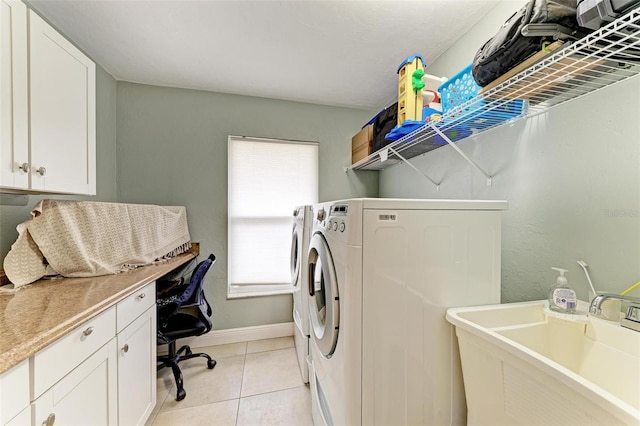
(338, 218)
(332, 219)
(336, 225)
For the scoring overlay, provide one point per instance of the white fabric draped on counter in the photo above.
(86, 239)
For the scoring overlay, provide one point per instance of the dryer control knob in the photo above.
(342, 227)
(335, 226)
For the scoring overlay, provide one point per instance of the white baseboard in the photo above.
(236, 335)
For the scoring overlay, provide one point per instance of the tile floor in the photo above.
(254, 383)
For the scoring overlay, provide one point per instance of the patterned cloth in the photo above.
(86, 239)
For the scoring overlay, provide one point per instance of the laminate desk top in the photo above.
(39, 314)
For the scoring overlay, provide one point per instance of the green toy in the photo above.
(416, 80)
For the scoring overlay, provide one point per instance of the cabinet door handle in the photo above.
(88, 331)
(51, 419)
(41, 171)
(24, 167)
(125, 348)
(141, 296)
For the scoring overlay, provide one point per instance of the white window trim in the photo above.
(240, 291)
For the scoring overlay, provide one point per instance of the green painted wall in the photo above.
(11, 215)
(172, 150)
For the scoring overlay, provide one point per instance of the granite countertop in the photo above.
(41, 313)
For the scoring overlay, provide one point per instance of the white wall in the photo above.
(571, 177)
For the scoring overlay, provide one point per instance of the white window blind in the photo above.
(267, 179)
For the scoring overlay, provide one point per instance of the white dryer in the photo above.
(299, 250)
(384, 272)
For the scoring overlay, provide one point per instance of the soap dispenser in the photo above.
(562, 298)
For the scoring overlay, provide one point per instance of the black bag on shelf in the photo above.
(385, 121)
(509, 46)
(594, 14)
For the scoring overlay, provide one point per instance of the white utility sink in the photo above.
(523, 364)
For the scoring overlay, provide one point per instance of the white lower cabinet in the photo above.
(14, 395)
(137, 370)
(86, 396)
(57, 360)
(101, 373)
(22, 419)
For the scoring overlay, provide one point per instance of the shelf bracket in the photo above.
(404, 160)
(459, 151)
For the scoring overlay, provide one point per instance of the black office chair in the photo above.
(183, 311)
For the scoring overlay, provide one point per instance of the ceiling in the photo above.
(340, 53)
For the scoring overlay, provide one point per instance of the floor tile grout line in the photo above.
(270, 350)
(244, 364)
(186, 407)
(157, 412)
(274, 391)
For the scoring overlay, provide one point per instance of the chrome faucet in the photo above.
(596, 304)
(631, 320)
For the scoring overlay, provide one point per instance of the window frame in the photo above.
(245, 290)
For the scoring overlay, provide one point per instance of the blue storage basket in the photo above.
(478, 115)
(458, 89)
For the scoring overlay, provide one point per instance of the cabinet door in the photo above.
(50, 364)
(62, 101)
(137, 369)
(22, 419)
(14, 148)
(85, 396)
(14, 392)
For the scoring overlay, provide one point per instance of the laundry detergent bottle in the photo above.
(562, 298)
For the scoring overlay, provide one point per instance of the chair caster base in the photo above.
(211, 363)
(181, 394)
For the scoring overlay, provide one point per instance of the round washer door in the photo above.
(296, 254)
(324, 303)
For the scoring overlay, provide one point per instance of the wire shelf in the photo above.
(603, 58)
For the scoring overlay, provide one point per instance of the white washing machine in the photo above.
(299, 251)
(382, 274)
(335, 302)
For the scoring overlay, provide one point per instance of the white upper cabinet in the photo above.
(48, 103)
(63, 113)
(14, 124)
